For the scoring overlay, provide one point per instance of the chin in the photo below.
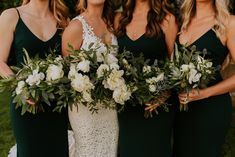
(96, 2)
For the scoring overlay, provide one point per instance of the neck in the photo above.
(39, 7)
(142, 6)
(95, 11)
(204, 9)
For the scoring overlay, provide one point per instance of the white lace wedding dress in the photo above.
(96, 135)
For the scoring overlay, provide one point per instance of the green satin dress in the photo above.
(43, 134)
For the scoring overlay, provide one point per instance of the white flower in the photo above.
(114, 80)
(84, 66)
(194, 76)
(58, 59)
(121, 94)
(124, 61)
(72, 72)
(81, 83)
(187, 67)
(20, 87)
(154, 80)
(86, 96)
(54, 72)
(152, 88)
(102, 69)
(209, 64)
(114, 66)
(35, 78)
(147, 69)
(175, 72)
(110, 59)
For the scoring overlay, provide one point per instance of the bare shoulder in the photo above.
(74, 27)
(9, 17)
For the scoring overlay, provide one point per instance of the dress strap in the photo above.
(18, 12)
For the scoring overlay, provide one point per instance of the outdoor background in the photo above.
(6, 136)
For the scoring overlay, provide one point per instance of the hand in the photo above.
(155, 104)
(151, 107)
(30, 102)
(193, 95)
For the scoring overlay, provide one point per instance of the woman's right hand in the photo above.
(5, 70)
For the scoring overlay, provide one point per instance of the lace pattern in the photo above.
(96, 135)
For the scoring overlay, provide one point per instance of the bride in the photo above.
(96, 135)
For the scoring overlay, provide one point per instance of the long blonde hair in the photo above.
(188, 10)
(59, 10)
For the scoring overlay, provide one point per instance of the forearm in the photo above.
(222, 87)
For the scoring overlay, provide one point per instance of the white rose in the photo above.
(20, 87)
(72, 71)
(84, 66)
(114, 66)
(121, 94)
(54, 72)
(152, 88)
(102, 69)
(114, 80)
(81, 83)
(35, 78)
(110, 59)
(147, 69)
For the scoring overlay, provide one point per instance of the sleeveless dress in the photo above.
(140, 136)
(43, 134)
(200, 132)
(96, 135)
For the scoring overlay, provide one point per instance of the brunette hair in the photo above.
(156, 15)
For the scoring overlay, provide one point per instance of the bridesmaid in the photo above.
(200, 132)
(35, 26)
(148, 27)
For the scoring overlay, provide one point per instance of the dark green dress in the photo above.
(200, 132)
(141, 137)
(43, 134)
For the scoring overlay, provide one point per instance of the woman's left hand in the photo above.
(193, 95)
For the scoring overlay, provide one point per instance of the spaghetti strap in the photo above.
(18, 12)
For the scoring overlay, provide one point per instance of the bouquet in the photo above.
(150, 84)
(38, 82)
(189, 69)
(96, 78)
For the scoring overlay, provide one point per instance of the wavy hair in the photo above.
(221, 7)
(107, 15)
(59, 10)
(156, 15)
